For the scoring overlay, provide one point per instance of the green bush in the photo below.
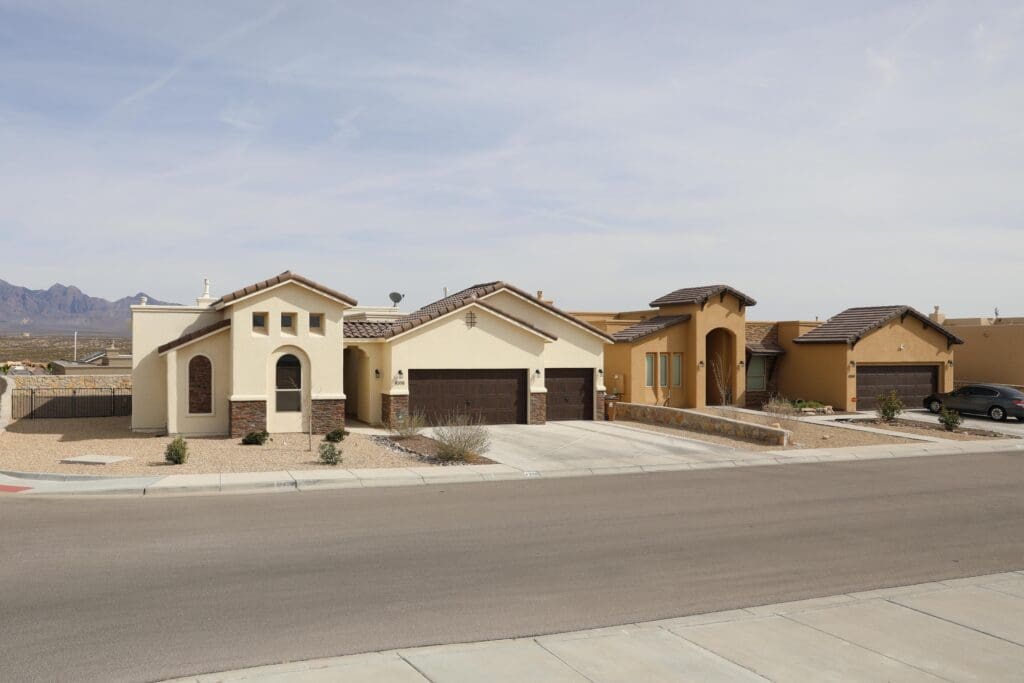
(177, 451)
(255, 438)
(890, 406)
(336, 436)
(5, 368)
(801, 403)
(329, 454)
(950, 419)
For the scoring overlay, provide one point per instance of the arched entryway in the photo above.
(720, 352)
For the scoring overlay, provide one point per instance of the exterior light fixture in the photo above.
(853, 363)
(600, 372)
(536, 373)
(742, 363)
(376, 374)
(700, 365)
(949, 362)
(399, 377)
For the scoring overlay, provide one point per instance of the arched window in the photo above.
(289, 384)
(200, 386)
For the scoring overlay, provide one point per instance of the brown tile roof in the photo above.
(459, 299)
(286, 276)
(361, 329)
(387, 330)
(763, 339)
(700, 295)
(648, 327)
(192, 336)
(852, 324)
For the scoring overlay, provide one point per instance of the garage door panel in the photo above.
(570, 393)
(912, 382)
(493, 396)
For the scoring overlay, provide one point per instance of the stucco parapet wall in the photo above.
(71, 382)
(701, 422)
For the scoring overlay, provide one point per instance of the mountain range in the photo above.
(63, 310)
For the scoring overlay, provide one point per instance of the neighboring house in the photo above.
(763, 352)
(687, 351)
(287, 352)
(993, 350)
(855, 356)
(107, 362)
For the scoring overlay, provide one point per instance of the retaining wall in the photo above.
(701, 422)
(70, 381)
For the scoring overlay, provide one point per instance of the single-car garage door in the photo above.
(570, 393)
(913, 382)
(494, 396)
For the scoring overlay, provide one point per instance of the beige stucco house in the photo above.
(993, 350)
(288, 354)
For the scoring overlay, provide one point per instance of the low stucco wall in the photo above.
(701, 422)
(71, 381)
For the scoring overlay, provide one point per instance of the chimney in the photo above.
(540, 296)
(205, 299)
(937, 316)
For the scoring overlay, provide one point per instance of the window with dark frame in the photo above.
(200, 386)
(259, 322)
(289, 384)
(316, 322)
(288, 322)
(756, 375)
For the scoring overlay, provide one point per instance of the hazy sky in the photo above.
(816, 155)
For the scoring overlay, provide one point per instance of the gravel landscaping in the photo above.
(39, 446)
(906, 427)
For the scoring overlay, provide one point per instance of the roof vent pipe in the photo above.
(445, 290)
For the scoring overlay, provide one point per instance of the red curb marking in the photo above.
(6, 488)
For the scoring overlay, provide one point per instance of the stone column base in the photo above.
(247, 416)
(599, 413)
(538, 409)
(393, 408)
(328, 414)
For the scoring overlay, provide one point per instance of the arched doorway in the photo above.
(720, 352)
(289, 405)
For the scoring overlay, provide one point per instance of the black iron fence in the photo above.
(42, 403)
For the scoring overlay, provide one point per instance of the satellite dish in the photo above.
(396, 298)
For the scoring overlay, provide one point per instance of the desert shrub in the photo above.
(337, 435)
(780, 407)
(801, 403)
(255, 438)
(5, 368)
(890, 406)
(329, 454)
(950, 419)
(177, 451)
(409, 425)
(460, 437)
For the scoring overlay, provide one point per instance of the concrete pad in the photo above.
(783, 650)
(926, 642)
(505, 660)
(177, 483)
(699, 619)
(644, 655)
(387, 476)
(95, 459)
(256, 480)
(799, 605)
(1011, 587)
(992, 612)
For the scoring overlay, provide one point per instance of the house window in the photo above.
(289, 384)
(288, 323)
(200, 386)
(649, 374)
(259, 322)
(316, 323)
(756, 373)
(663, 370)
(677, 369)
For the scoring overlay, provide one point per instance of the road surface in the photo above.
(151, 588)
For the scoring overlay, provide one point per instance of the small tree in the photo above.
(329, 454)
(722, 374)
(890, 406)
(950, 419)
(176, 452)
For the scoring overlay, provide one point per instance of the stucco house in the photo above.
(993, 350)
(288, 354)
(688, 350)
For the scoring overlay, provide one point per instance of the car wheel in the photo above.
(997, 413)
(935, 406)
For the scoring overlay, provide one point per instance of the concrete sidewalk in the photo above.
(22, 483)
(959, 630)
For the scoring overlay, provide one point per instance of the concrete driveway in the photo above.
(584, 444)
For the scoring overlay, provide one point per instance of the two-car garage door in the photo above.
(912, 382)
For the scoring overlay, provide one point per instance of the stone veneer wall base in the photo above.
(393, 408)
(702, 422)
(247, 416)
(328, 414)
(538, 414)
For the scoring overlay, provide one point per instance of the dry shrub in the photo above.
(460, 437)
(409, 425)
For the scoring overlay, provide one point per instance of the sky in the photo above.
(814, 155)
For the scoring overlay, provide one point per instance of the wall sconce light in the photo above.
(376, 374)
(700, 365)
(400, 377)
(742, 363)
(536, 373)
(949, 362)
(853, 363)
(600, 372)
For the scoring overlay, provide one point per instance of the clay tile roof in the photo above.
(852, 324)
(700, 295)
(192, 336)
(763, 339)
(361, 329)
(424, 315)
(648, 327)
(286, 276)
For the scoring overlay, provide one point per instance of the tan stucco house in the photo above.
(289, 354)
(686, 351)
(993, 350)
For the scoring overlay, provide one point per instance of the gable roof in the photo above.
(853, 324)
(763, 339)
(194, 336)
(389, 330)
(700, 295)
(286, 276)
(648, 327)
(477, 292)
(362, 329)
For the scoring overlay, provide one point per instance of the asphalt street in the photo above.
(151, 588)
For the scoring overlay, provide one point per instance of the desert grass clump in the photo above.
(460, 437)
(408, 425)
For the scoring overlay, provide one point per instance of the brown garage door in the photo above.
(913, 382)
(570, 393)
(494, 396)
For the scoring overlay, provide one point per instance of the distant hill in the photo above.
(62, 310)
